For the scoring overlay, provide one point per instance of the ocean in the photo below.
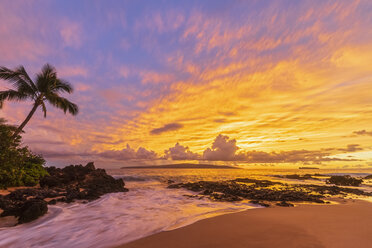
(148, 208)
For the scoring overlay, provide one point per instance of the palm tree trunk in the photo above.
(20, 128)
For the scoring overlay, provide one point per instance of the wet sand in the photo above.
(306, 226)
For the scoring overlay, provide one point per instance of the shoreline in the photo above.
(346, 224)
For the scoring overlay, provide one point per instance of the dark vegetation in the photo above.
(18, 165)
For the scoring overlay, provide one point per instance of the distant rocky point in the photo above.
(182, 166)
(308, 168)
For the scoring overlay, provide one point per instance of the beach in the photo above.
(346, 224)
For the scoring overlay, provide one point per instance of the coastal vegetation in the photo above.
(18, 165)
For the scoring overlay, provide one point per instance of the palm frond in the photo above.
(43, 107)
(46, 78)
(61, 85)
(8, 74)
(12, 95)
(26, 77)
(20, 79)
(62, 103)
(49, 71)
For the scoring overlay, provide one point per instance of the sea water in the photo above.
(148, 207)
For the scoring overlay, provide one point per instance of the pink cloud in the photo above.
(155, 77)
(179, 152)
(113, 96)
(169, 21)
(71, 34)
(124, 71)
(82, 87)
(71, 71)
(22, 38)
(222, 149)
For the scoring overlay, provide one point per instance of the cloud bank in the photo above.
(223, 149)
(128, 153)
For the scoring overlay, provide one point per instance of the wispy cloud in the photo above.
(72, 71)
(71, 34)
(363, 132)
(167, 128)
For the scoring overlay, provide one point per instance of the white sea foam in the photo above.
(115, 218)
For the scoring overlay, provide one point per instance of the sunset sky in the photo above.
(253, 83)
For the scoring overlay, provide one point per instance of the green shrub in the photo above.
(18, 165)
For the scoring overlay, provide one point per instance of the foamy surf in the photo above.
(115, 219)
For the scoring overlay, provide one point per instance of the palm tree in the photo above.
(46, 88)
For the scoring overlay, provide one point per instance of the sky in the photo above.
(253, 83)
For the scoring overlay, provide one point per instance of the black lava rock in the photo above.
(74, 182)
(344, 180)
(31, 210)
(263, 191)
(284, 204)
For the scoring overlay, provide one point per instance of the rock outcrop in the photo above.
(344, 180)
(74, 182)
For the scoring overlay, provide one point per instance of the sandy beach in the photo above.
(347, 224)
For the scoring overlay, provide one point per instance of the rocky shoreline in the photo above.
(86, 183)
(265, 192)
(74, 182)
